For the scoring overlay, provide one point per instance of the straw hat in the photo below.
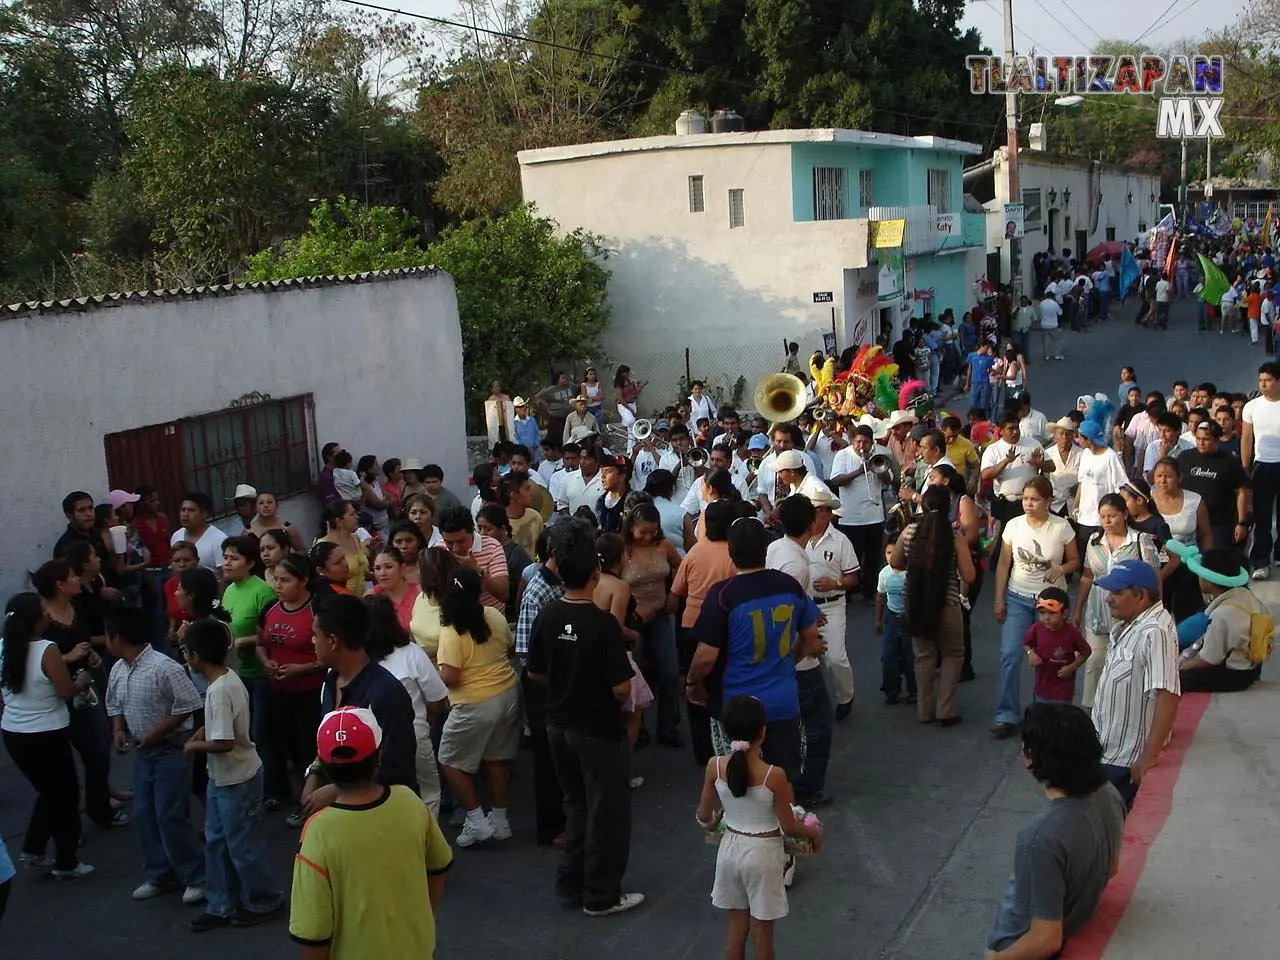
(411, 463)
(879, 429)
(519, 402)
(1066, 423)
(902, 416)
(825, 499)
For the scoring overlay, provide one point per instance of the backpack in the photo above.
(1262, 631)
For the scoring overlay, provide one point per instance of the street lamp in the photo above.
(1153, 198)
(1053, 196)
(1129, 198)
(1072, 100)
(1066, 195)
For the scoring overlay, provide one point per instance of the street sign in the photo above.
(825, 296)
(948, 224)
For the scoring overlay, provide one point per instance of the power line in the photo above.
(1035, 44)
(1049, 13)
(630, 61)
(1165, 21)
(1156, 22)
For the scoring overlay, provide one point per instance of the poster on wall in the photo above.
(892, 277)
(1014, 221)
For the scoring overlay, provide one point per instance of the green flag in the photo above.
(1215, 281)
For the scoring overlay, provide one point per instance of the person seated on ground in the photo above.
(1227, 657)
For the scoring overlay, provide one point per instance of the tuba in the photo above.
(780, 397)
(642, 430)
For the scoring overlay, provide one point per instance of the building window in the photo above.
(266, 444)
(1032, 217)
(1111, 233)
(940, 190)
(1142, 227)
(864, 190)
(737, 216)
(696, 202)
(828, 193)
(1066, 228)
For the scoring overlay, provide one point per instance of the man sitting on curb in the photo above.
(1223, 660)
(1066, 855)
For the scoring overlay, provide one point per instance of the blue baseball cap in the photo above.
(1130, 574)
(758, 441)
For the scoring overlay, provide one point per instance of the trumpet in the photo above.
(880, 467)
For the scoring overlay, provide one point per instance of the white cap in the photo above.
(789, 460)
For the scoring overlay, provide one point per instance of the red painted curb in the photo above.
(1146, 820)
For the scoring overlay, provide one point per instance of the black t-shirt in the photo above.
(1216, 478)
(578, 648)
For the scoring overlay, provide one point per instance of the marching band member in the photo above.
(792, 469)
(785, 437)
(834, 570)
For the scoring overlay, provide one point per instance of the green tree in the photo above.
(343, 238)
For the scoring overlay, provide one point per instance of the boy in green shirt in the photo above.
(371, 869)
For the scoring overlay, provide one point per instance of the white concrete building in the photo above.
(207, 388)
(727, 244)
(1071, 203)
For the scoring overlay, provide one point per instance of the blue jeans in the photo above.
(1022, 340)
(980, 397)
(162, 817)
(1266, 495)
(659, 638)
(1118, 777)
(235, 854)
(1020, 614)
(1104, 304)
(259, 689)
(153, 604)
(897, 659)
(817, 721)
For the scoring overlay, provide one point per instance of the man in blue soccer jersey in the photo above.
(752, 629)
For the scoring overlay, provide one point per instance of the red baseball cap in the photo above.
(348, 735)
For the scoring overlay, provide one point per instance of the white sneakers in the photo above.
(476, 830)
(1260, 573)
(501, 826)
(193, 894)
(628, 901)
(190, 895)
(75, 873)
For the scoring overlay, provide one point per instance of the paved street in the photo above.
(918, 843)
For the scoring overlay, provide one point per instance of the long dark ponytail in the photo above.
(201, 585)
(743, 719)
(460, 605)
(931, 564)
(22, 614)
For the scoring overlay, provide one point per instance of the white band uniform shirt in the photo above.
(862, 498)
(1009, 484)
(787, 556)
(831, 556)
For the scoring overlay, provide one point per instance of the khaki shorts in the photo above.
(749, 876)
(487, 732)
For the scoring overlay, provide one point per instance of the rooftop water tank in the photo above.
(727, 121)
(690, 122)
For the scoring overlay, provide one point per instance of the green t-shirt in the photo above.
(245, 601)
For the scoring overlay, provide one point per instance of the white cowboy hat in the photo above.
(578, 434)
(519, 402)
(879, 429)
(1066, 423)
(825, 499)
(411, 463)
(902, 416)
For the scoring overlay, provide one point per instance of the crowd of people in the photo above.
(379, 677)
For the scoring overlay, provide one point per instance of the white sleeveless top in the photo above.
(751, 813)
(1183, 523)
(38, 708)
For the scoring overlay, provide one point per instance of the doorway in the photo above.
(1082, 245)
(1052, 245)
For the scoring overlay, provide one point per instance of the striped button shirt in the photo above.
(1142, 660)
(543, 587)
(149, 690)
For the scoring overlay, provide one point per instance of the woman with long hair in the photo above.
(392, 486)
(938, 565)
(626, 389)
(969, 520)
(36, 732)
(613, 595)
(287, 652)
(1117, 541)
(719, 486)
(435, 567)
(1188, 520)
(484, 722)
(593, 390)
(375, 502)
(390, 645)
(273, 547)
(68, 626)
(390, 582)
(649, 568)
(408, 538)
(1038, 550)
(340, 524)
(267, 518)
(420, 510)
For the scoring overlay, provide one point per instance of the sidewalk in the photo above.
(1200, 869)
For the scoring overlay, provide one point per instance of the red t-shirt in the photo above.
(287, 637)
(156, 539)
(404, 606)
(171, 608)
(1056, 649)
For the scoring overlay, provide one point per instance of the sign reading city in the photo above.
(1189, 87)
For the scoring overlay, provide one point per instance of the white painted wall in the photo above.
(1044, 171)
(686, 279)
(383, 360)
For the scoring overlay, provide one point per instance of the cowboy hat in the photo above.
(879, 429)
(825, 500)
(519, 402)
(1066, 423)
(579, 399)
(900, 417)
(578, 434)
(411, 464)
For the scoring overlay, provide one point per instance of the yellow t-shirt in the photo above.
(964, 455)
(424, 625)
(360, 879)
(359, 566)
(526, 531)
(486, 670)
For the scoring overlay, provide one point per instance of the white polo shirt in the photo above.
(582, 493)
(832, 556)
(208, 547)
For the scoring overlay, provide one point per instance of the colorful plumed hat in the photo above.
(1096, 418)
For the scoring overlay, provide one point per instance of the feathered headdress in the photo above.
(869, 364)
(886, 394)
(912, 394)
(1096, 419)
(822, 375)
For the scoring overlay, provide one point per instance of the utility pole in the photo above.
(1011, 168)
(1182, 185)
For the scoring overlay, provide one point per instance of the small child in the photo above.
(755, 800)
(896, 656)
(1055, 648)
(241, 888)
(150, 700)
(703, 439)
(345, 480)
